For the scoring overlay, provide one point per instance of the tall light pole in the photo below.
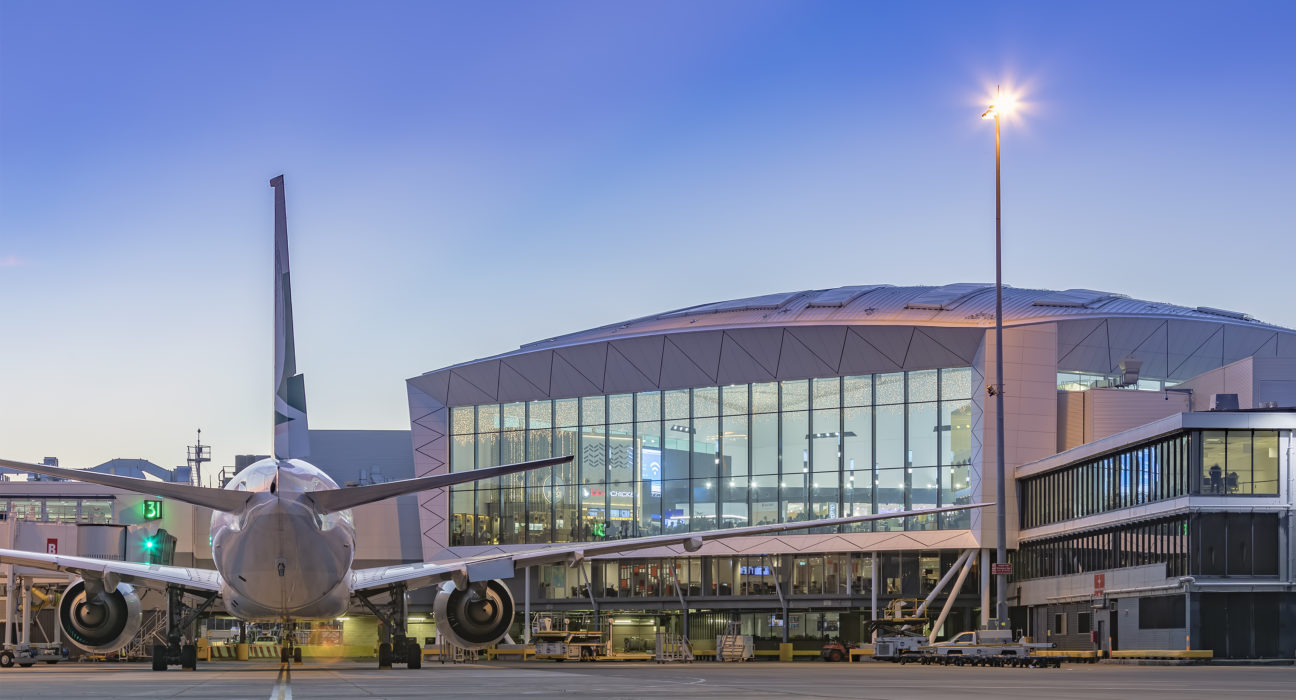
(1001, 579)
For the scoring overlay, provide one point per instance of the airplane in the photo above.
(283, 542)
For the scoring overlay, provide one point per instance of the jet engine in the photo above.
(475, 617)
(100, 623)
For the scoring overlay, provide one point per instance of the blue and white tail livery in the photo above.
(291, 436)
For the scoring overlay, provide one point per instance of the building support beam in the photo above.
(985, 589)
(940, 585)
(873, 589)
(949, 602)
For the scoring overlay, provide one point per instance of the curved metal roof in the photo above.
(960, 304)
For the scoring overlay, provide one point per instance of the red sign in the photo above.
(51, 546)
(1100, 582)
(997, 569)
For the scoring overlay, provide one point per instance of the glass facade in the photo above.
(1160, 541)
(59, 510)
(1230, 462)
(716, 457)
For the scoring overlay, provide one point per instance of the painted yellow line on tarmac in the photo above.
(283, 686)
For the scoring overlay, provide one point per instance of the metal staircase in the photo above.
(673, 648)
(731, 646)
(153, 631)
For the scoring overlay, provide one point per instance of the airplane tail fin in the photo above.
(216, 499)
(291, 434)
(334, 500)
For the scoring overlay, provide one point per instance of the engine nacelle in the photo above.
(103, 624)
(477, 617)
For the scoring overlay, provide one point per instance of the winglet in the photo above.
(291, 434)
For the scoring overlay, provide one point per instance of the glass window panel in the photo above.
(462, 527)
(706, 496)
(621, 510)
(677, 403)
(706, 448)
(956, 383)
(621, 452)
(923, 435)
(593, 455)
(796, 446)
(593, 513)
(764, 397)
(566, 413)
(648, 405)
(488, 454)
(95, 511)
(826, 443)
(733, 448)
(857, 441)
(857, 391)
(539, 514)
(888, 388)
(706, 402)
(593, 410)
(889, 486)
(764, 443)
(1213, 462)
(60, 511)
(795, 395)
(890, 436)
(675, 505)
(733, 502)
(857, 497)
(620, 408)
(764, 499)
(922, 385)
(956, 490)
(566, 498)
(539, 444)
(462, 420)
(923, 493)
(488, 515)
(1237, 477)
(825, 497)
(733, 400)
(514, 416)
(956, 432)
(1265, 462)
(513, 450)
(488, 418)
(513, 523)
(461, 453)
(675, 453)
(825, 393)
(540, 414)
(648, 503)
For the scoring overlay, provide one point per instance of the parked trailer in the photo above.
(26, 655)
(983, 648)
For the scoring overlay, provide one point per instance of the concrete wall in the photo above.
(1130, 636)
(1085, 416)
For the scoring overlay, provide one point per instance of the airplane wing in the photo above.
(503, 565)
(130, 572)
(216, 499)
(334, 500)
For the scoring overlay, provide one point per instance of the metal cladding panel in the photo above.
(738, 366)
(963, 342)
(826, 342)
(763, 345)
(892, 341)
(463, 392)
(482, 376)
(1286, 345)
(796, 361)
(859, 356)
(1240, 342)
(702, 349)
(679, 371)
(534, 367)
(435, 384)
(926, 353)
(1208, 355)
(622, 376)
(644, 353)
(1153, 352)
(1186, 338)
(589, 359)
(1092, 353)
(836, 298)
(515, 387)
(567, 380)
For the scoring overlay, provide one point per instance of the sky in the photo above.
(464, 178)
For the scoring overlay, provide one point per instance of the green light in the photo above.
(152, 510)
(149, 543)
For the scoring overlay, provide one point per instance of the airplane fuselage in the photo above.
(279, 559)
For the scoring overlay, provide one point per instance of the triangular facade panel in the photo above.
(588, 359)
(622, 376)
(1091, 354)
(566, 381)
(861, 357)
(515, 387)
(1153, 353)
(644, 353)
(679, 371)
(892, 341)
(1286, 345)
(1072, 333)
(963, 342)
(532, 366)
(762, 344)
(926, 353)
(1240, 342)
(1206, 355)
(464, 393)
(737, 366)
(1124, 335)
(799, 362)
(826, 342)
(703, 348)
(483, 375)
(435, 385)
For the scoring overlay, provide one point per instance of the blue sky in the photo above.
(466, 177)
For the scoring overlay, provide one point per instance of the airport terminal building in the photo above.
(1137, 514)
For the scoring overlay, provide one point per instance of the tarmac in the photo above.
(612, 681)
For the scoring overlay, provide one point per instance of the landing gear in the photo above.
(297, 654)
(399, 649)
(180, 616)
(290, 652)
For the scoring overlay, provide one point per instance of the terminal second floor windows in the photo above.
(715, 457)
(59, 510)
(1210, 462)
